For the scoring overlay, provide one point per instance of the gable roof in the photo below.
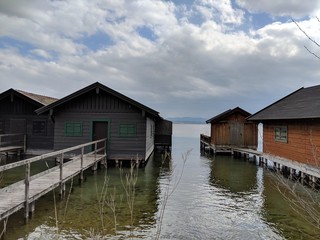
(227, 114)
(36, 99)
(304, 103)
(44, 100)
(102, 87)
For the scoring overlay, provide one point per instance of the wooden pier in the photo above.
(23, 194)
(12, 143)
(307, 174)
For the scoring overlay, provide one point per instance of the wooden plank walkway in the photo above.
(247, 151)
(23, 194)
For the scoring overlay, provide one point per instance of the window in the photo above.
(39, 128)
(281, 134)
(73, 129)
(127, 130)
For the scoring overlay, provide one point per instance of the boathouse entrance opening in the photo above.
(100, 131)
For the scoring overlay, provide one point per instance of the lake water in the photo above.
(202, 198)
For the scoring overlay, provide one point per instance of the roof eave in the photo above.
(91, 87)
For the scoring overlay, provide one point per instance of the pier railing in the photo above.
(7, 140)
(99, 151)
(204, 138)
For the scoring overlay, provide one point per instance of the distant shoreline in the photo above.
(187, 120)
(175, 122)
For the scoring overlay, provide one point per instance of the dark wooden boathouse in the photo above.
(231, 129)
(291, 126)
(17, 116)
(97, 112)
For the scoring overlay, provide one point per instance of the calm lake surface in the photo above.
(205, 198)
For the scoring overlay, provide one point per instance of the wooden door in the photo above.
(236, 134)
(99, 131)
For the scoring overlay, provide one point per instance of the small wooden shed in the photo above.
(291, 126)
(232, 129)
(97, 112)
(17, 116)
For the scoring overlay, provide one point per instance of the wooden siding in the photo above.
(150, 131)
(220, 134)
(303, 141)
(17, 116)
(250, 137)
(163, 132)
(101, 106)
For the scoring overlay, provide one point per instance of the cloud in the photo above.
(199, 61)
(292, 8)
(221, 9)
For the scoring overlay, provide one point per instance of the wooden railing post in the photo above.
(81, 164)
(24, 143)
(61, 174)
(95, 151)
(105, 147)
(27, 187)
(95, 165)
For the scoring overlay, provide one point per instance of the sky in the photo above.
(183, 58)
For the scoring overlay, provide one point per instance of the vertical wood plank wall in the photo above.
(223, 132)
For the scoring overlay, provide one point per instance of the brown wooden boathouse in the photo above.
(231, 129)
(291, 126)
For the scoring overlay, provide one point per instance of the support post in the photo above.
(291, 173)
(81, 165)
(302, 177)
(105, 147)
(95, 151)
(314, 182)
(27, 187)
(95, 165)
(24, 143)
(61, 175)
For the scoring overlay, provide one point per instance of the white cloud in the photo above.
(221, 8)
(41, 53)
(192, 68)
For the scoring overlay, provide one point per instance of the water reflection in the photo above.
(216, 198)
(79, 214)
(233, 174)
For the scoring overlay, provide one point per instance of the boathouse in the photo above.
(231, 129)
(291, 126)
(18, 117)
(97, 112)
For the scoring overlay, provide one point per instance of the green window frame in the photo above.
(127, 130)
(73, 129)
(281, 134)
